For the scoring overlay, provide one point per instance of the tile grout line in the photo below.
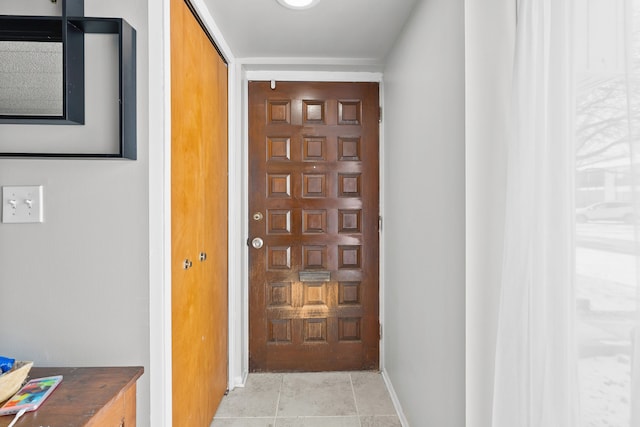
(275, 418)
(355, 401)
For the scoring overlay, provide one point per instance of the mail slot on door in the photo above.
(315, 276)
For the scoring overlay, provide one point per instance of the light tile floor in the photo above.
(324, 399)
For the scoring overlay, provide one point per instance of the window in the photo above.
(607, 120)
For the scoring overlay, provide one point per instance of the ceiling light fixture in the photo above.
(298, 4)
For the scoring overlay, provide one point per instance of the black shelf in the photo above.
(69, 29)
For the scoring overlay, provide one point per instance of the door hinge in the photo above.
(380, 223)
(380, 115)
(380, 332)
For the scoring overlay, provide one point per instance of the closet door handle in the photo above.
(203, 256)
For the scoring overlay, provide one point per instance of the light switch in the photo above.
(21, 204)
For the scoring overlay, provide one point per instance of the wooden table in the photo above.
(104, 397)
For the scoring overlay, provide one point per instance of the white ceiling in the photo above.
(350, 29)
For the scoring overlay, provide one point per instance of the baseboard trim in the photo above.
(394, 399)
(240, 380)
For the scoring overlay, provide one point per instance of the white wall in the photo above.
(424, 223)
(490, 29)
(74, 290)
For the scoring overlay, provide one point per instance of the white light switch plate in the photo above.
(21, 204)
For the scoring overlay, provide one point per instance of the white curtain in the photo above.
(568, 343)
(535, 370)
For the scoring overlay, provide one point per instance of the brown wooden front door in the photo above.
(313, 180)
(199, 218)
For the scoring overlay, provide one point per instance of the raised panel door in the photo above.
(313, 177)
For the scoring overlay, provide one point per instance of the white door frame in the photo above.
(259, 70)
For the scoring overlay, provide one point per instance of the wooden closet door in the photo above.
(215, 228)
(199, 221)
